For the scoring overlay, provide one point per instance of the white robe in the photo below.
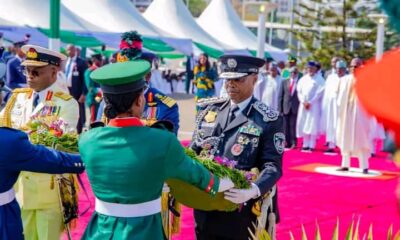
(329, 108)
(157, 81)
(309, 89)
(353, 128)
(268, 90)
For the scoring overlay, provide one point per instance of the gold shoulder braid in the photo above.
(63, 95)
(166, 100)
(5, 120)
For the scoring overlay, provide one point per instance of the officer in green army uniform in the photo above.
(243, 129)
(127, 163)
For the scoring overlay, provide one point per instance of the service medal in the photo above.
(211, 116)
(237, 149)
(255, 142)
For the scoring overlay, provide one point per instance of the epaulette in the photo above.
(170, 102)
(208, 101)
(267, 113)
(64, 96)
(22, 90)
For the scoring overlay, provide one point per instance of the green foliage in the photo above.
(351, 233)
(237, 177)
(322, 46)
(68, 142)
(196, 7)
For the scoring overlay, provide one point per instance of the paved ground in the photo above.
(187, 112)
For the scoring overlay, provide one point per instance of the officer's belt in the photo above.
(7, 197)
(128, 210)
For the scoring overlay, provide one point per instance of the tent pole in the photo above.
(54, 38)
(261, 32)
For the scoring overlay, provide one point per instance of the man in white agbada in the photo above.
(310, 89)
(268, 89)
(333, 69)
(353, 129)
(329, 104)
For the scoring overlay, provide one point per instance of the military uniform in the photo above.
(254, 138)
(20, 155)
(128, 193)
(36, 193)
(160, 107)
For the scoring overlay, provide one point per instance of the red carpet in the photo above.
(306, 196)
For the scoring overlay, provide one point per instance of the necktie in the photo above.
(234, 109)
(291, 85)
(35, 100)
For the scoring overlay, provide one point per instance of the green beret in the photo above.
(121, 77)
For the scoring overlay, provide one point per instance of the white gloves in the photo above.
(242, 195)
(225, 184)
(166, 188)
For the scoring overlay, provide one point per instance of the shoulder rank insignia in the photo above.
(22, 90)
(208, 101)
(63, 96)
(211, 116)
(166, 100)
(267, 113)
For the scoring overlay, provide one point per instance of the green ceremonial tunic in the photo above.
(128, 165)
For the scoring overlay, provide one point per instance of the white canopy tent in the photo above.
(173, 17)
(112, 15)
(230, 29)
(14, 32)
(37, 14)
(119, 16)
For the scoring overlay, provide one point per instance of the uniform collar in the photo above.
(242, 105)
(44, 93)
(125, 122)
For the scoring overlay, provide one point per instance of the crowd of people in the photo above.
(262, 108)
(317, 103)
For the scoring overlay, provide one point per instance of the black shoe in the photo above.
(311, 149)
(305, 148)
(343, 169)
(329, 150)
(365, 171)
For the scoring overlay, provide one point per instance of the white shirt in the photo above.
(242, 105)
(69, 69)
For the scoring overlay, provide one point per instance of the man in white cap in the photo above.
(354, 125)
(268, 90)
(38, 193)
(329, 104)
(310, 89)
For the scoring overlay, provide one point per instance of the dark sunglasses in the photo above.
(33, 72)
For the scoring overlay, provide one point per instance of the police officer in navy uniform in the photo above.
(18, 154)
(243, 129)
